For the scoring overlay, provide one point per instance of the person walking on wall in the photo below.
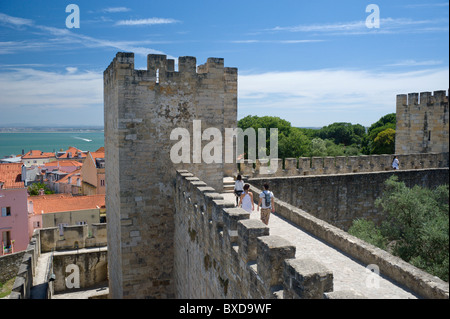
(395, 163)
(246, 200)
(267, 204)
(238, 188)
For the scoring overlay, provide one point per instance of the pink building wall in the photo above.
(17, 222)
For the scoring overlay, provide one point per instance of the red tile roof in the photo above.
(38, 154)
(11, 175)
(62, 203)
(75, 175)
(63, 163)
(73, 152)
(63, 166)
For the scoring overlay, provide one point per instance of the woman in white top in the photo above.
(395, 163)
(246, 200)
(238, 188)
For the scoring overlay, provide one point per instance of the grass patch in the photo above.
(5, 288)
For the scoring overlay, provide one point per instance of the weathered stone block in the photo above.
(248, 232)
(306, 279)
(272, 251)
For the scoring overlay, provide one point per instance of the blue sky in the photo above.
(312, 63)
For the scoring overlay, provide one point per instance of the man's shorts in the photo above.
(265, 214)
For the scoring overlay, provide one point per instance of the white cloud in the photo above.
(46, 91)
(62, 36)
(10, 47)
(321, 97)
(116, 9)
(275, 41)
(14, 21)
(416, 63)
(387, 25)
(427, 5)
(71, 70)
(150, 21)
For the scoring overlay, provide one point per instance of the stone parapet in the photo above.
(221, 253)
(24, 278)
(308, 278)
(344, 164)
(75, 237)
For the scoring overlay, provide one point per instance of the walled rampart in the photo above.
(344, 164)
(221, 253)
(422, 123)
(88, 267)
(341, 198)
(417, 280)
(24, 278)
(142, 109)
(46, 240)
(75, 237)
(9, 265)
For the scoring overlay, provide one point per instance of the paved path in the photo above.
(349, 274)
(40, 283)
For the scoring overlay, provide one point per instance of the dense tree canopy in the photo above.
(416, 227)
(343, 133)
(386, 141)
(336, 139)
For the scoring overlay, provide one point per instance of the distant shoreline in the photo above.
(93, 131)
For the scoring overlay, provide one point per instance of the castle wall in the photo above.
(345, 164)
(419, 281)
(91, 269)
(221, 253)
(142, 107)
(339, 199)
(75, 237)
(422, 123)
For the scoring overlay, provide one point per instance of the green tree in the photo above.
(343, 133)
(292, 142)
(369, 232)
(384, 142)
(296, 144)
(386, 122)
(318, 147)
(33, 189)
(418, 223)
(387, 119)
(416, 226)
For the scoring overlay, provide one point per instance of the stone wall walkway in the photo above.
(40, 283)
(349, 274)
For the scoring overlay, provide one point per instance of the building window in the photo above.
(6, 211)
(102, 182)
(36, 224)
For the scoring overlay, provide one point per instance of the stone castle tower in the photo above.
(422, 123)
(141, 108)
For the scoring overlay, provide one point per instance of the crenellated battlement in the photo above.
(423, 99)
(422, 122)
(344, 164)
(222, 253)
(161, 69)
